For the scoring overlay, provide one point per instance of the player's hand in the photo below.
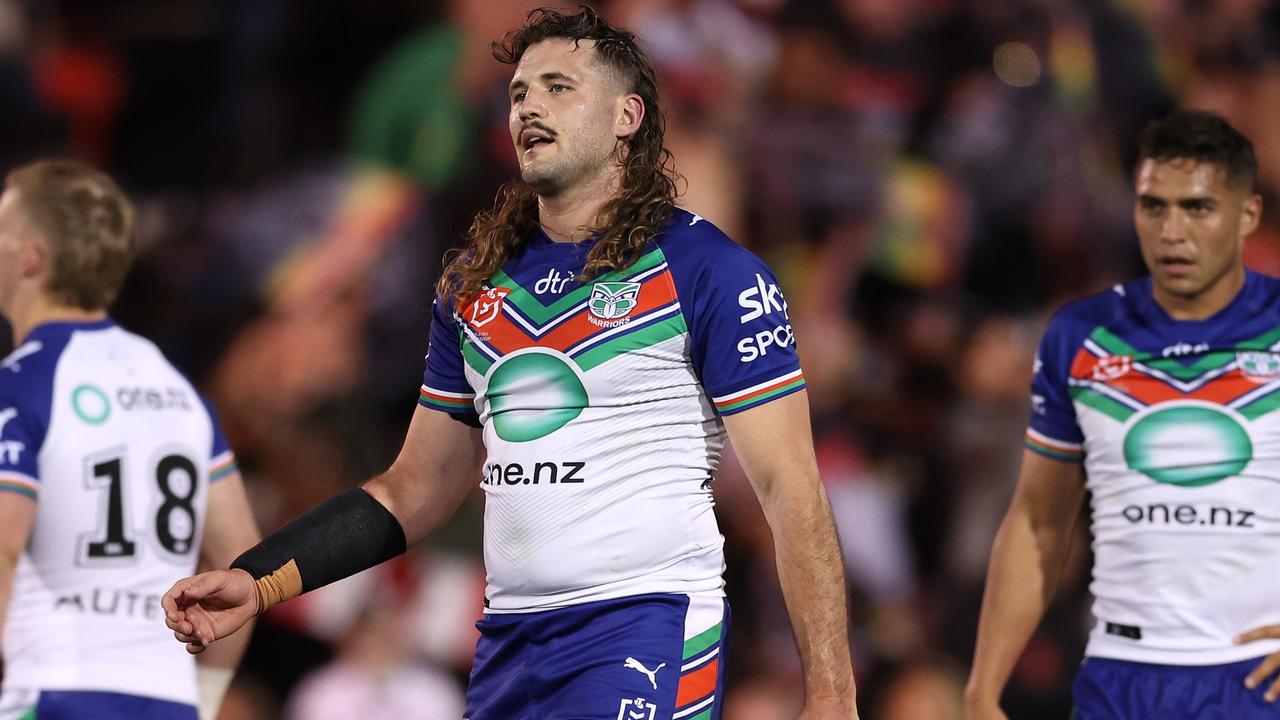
(1269, 665)
(829, 709)
(209, 607)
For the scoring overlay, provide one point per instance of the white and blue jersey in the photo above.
(1176, 423)
(601, 403)
(118, 451)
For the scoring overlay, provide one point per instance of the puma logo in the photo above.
(635, 664)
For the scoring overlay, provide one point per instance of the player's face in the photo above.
(1191, 224)
(11, 242)
(566, 108)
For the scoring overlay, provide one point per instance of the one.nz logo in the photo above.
(613, 301)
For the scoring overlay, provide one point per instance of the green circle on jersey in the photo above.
(91, 404)
(533, 395)
(1188, 446)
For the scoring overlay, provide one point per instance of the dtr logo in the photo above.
(553, 283)
(10, 450)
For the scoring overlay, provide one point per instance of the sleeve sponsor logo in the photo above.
(763, 300)
(10, 450)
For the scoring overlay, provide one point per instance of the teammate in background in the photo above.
(117, 479)
(598, 343)
(1158, 396)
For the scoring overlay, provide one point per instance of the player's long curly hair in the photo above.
(627, 221)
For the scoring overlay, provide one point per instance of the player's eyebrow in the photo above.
(518, 83)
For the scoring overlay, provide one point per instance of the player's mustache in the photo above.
(536, 125)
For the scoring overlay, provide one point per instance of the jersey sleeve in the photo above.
(22, 431)
(1053, 430)
(222, 460)
(742, 344)
(444, 383)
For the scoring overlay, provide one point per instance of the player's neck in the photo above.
(1204, 304)
(36, 310)
(570, 216)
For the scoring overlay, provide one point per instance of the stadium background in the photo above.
(930, 178)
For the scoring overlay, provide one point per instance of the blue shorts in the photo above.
(649, 657)
(1108, 689)
(19, 704)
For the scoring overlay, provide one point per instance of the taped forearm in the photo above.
(338, 538)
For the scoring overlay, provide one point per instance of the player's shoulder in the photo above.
(27, 372)
(691, 241)
(1262, 294)
(1113, 308)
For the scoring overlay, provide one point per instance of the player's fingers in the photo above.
(194, 589)
(185, 637)
(1264, 670)
(195, 648)
(1273, 692)
(1262, 633)
(170, 602)
(174, 619)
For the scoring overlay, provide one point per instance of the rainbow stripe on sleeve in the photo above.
(446, 401)
(21, 484)
(221, 466)
(1056, 449)
(759, 394)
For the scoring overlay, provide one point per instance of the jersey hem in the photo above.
(1181, 658)
(623, 593)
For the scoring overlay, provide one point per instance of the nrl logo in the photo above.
(1259, 367)
(1112, 367)
(486, 306)
(637, 709)
(613, 300)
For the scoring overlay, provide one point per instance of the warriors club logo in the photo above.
(1260, 367)
(613, 300)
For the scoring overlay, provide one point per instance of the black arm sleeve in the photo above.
(339, 537)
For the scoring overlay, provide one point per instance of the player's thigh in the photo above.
(656, 658)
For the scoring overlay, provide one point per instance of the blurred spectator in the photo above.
(375, 677)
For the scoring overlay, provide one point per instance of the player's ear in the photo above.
(630, 116)
(34, 257)
(1251, 214)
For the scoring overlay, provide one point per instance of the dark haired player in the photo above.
(1158, 396)
(597, 344)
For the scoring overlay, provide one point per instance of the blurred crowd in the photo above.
(929, 178)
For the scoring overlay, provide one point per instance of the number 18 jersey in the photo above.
(118, 450)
